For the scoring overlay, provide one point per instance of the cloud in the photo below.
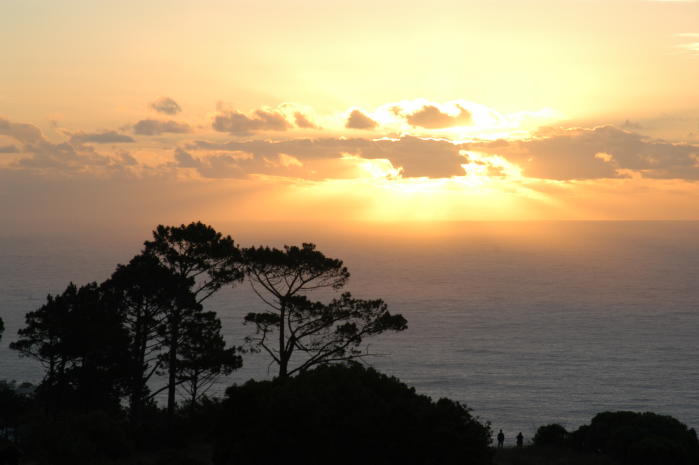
(358, 120)
(236, 123)
(185, 159)
(126, 158)
(154, 127)
(71, 157)
(166, 105)
(24, 133)
(302, 121)
(552, 154)
(690, 44)
(431, 117)
(105, 137)
(238, 164)
(8, 149)
(415, 157)
(628, 124)
(570, 154)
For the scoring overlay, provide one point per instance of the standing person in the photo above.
(520, 440)
(501, 439)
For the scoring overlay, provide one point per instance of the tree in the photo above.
(199, 252)
(551, 435)
(15, 402)
(209, 260)
(323, 333)
(640, 438)
(81, 343)
(345, 415)
(204, 357)
(144, 291)
(2, 328)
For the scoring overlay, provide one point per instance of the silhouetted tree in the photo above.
(2, 328)
(199, 252)
(204, 357)
(551, 435)
(144, 292)
(640, 438)
(324, 333)
(82, 344)
(209, 260)
(15, 401)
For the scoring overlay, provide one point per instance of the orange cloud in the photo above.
(236, 123)
(431, 117)
(166, 105)
(358, 120)
(154, 127)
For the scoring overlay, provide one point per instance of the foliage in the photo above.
(551, 435)
(15, 402)
(322, 332)
(144, 292)
(80, 341)
(293, 270)
(642, 438)
(206, 260)
(204, 357)
(345, 414)
(199, 252)
(87, 438)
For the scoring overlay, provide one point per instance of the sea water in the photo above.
(526, 323)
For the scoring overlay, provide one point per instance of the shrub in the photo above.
(641, 438)
(345, 414)
(78, 439)
(551, 435)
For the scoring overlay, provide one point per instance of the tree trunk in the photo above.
(195, 385)
(138, 387)
(283, 360)
(172, 369)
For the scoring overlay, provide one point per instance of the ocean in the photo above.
(527, 323)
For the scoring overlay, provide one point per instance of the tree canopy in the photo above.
(322, 332)
(344, 415)
(79, 339)
(144, 292)
(199, 252)
(293, 323)
(204, 259)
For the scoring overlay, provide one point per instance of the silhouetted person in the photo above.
(501, 439)
(520, 440)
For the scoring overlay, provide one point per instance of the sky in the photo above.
(131, 112)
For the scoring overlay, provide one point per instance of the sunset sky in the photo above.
(139, 112)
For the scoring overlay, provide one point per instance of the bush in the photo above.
(551, 435)
(15, 403)
(345, 414)
(78, 439)
(640, 438)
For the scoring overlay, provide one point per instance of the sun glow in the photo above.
(491, 188)
(458, 120)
